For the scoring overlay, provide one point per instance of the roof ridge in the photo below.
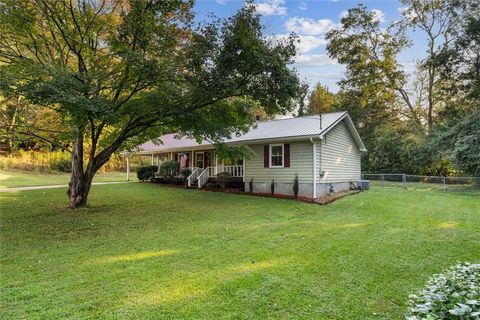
(305, 116)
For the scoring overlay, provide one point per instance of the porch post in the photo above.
(128, 167)
(152, 159)
(243, 170)
(314, 168)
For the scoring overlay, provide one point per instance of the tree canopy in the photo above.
(418, 123)
(120, 72)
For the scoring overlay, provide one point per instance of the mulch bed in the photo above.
(320, 200)
(335, 196)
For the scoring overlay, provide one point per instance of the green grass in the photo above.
(10, 179)
(142, 251)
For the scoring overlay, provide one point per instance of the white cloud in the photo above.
(221, 1)
(309, 26)
(303, 6)
(408, 13)
(314, 60)
(308, 43)
(304, 44)
(378, 15)
(343, 14)
(271, 8)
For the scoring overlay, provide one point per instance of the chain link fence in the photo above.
(433, 183)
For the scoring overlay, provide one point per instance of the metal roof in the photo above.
(290, 128)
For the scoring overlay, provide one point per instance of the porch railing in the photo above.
(202, 178)
(195, 172)
(235, 171)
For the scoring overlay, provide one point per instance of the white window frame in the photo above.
(203, 159)
(270, 155)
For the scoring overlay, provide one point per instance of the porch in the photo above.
(203, 163)
(200, 176)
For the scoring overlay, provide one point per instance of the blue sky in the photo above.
(310, 19)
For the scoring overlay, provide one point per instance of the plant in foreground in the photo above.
(454, 294)
(295, 186)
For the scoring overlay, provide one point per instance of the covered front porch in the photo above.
(203, 163)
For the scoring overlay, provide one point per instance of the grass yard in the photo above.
(10, 179)
(147, 252)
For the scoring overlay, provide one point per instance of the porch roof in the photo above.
(290, 128)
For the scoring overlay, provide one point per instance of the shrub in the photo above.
(223, 178)
(169, 170)
(295, 186)
(272, 187)
(250, 186)
(211, 185)
(452, 295)
(146, 173)
(61, 164)
(184, 174)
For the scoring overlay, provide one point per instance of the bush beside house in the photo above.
(169, 170)
(146, 173)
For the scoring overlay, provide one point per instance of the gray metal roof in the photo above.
(300, 127)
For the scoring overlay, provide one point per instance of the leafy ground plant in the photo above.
(452, 295)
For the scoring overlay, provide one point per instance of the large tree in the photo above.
(120, 72)
(373, 81)
(438, 20)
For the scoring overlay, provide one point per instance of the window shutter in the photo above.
(286, 152)
(266, 156)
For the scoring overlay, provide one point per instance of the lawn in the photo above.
(10, 179)
(143, 251)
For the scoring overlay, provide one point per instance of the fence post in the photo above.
(404, 178)
(383, 180)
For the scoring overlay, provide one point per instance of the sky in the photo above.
(310, 20)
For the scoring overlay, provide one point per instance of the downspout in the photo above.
(314, 146)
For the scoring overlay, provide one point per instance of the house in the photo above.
(323, 150)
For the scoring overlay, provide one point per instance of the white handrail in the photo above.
(193, 175)
(204, 176)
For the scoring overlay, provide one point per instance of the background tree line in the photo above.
(427, 122)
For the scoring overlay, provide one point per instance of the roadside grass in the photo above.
(142, 251)
(17, 178)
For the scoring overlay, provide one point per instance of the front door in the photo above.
(200, 159)
(207, 160)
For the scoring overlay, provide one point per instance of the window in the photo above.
(199, 159)
(276, 155)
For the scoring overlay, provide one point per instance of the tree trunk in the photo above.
(77, 187)
(81, 179)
